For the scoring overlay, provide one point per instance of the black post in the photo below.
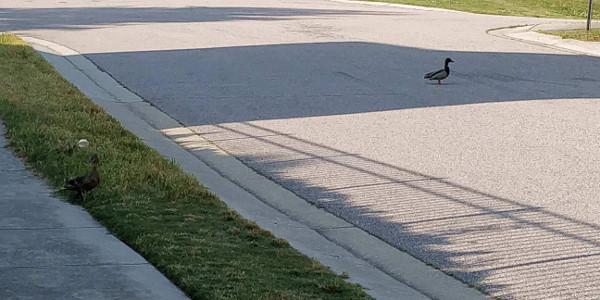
(589, 16)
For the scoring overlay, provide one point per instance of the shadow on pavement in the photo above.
(506, 248)
(78, 18)
(238, 84)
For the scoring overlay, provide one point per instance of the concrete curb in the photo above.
(529, 34)
(385, 272)
(523, 33)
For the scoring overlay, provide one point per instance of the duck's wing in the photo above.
(92, 181)
(77, 183)
(431, 74)
(436, 75)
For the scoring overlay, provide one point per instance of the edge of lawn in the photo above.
(548, 8)
(166, 215)
(576, 34)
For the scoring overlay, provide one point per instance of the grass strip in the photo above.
(205, 248)
(570, 9)
(582, 34)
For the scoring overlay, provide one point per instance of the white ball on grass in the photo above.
(83, 143)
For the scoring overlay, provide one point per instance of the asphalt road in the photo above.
(493, 177)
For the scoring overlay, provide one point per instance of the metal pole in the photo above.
(589, 16)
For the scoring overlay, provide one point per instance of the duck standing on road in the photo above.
(440, 74)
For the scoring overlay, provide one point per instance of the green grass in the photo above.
(572, 9)
(150, 203)
(582, 35)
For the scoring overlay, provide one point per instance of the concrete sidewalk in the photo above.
(50, 249)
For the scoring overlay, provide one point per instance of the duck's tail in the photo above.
(68, 185)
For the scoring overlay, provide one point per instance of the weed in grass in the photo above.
(146, 200)
(229, 215)
(332, 286)
(267, 233)
(251, 226)
(315, 265)
(193, 250)
(235, 274)
(256, 232)
(280, 243)
(192, 218)
(279, 296)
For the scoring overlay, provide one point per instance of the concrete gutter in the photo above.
(384, 271)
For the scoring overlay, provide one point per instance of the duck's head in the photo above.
(94, 159)
(449, 60)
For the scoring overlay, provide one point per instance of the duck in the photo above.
(87, 182)
(440, 75)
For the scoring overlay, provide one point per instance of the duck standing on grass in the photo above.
(440, 74)
(87, 182)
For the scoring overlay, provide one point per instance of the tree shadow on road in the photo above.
(238, 84)
(80, 18)
(506, 248)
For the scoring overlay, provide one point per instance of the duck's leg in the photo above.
(439, 82)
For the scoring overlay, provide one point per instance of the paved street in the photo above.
(493, 177)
